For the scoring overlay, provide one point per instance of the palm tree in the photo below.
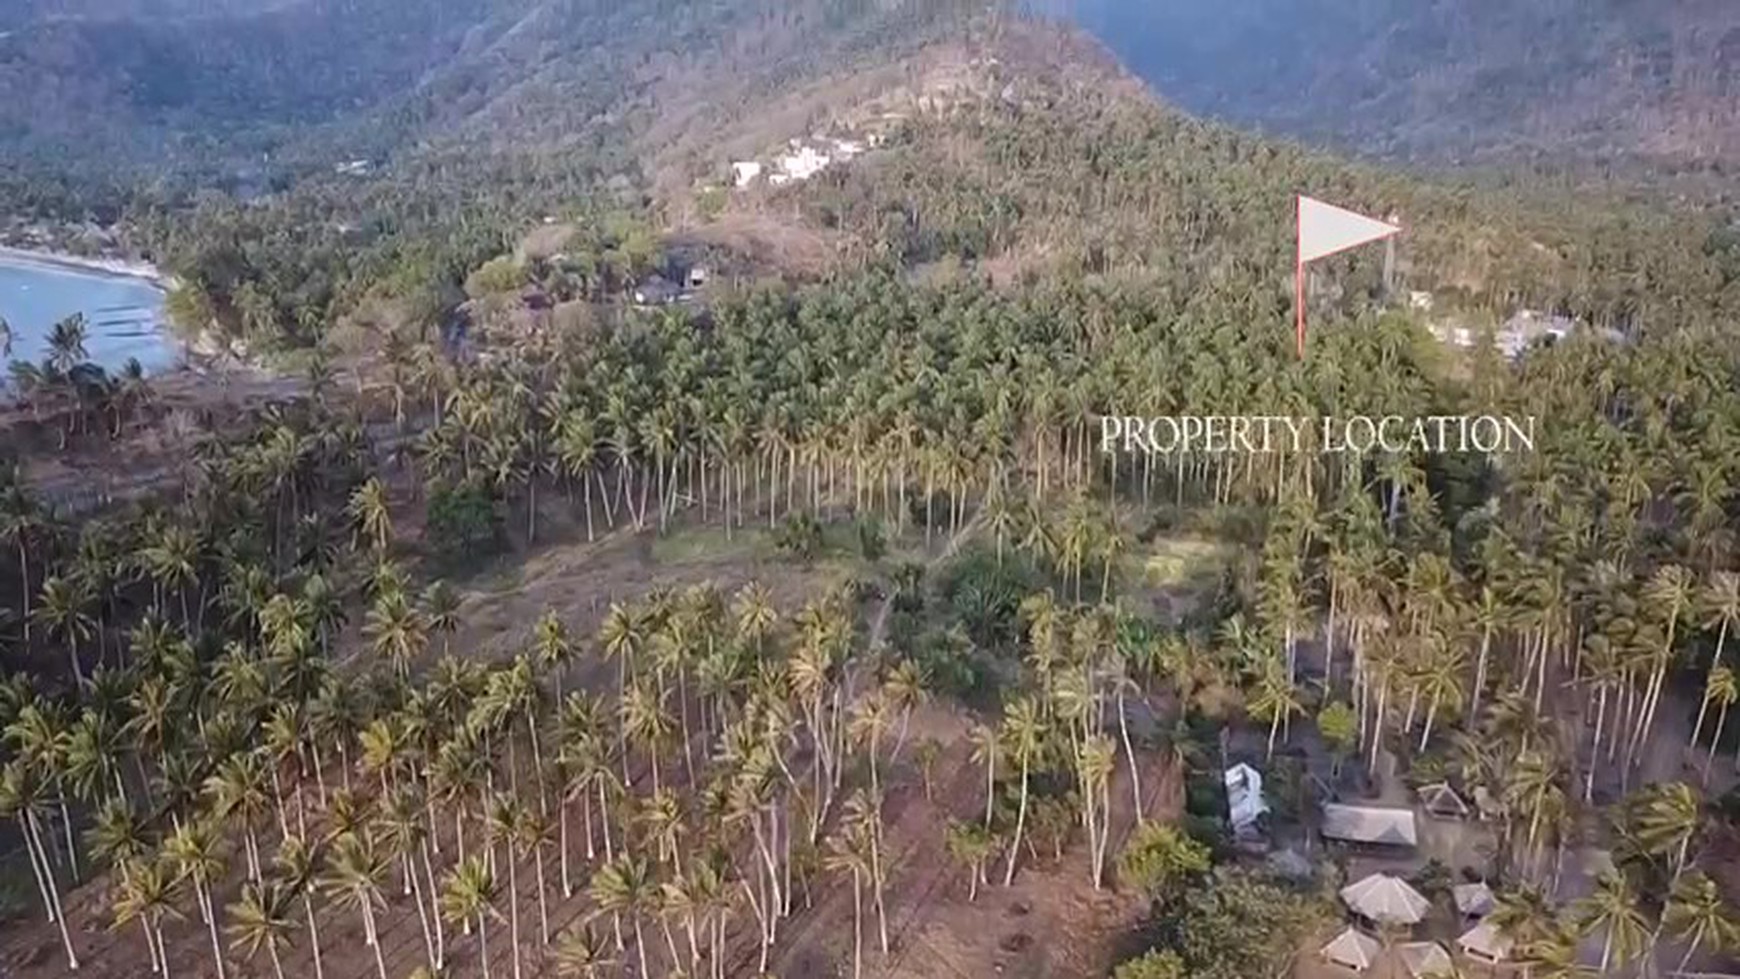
(355, 872)
(1552, 953)
(1023, 731)
(1523, 914)
(1721, 689)
(1275, 699)
(502, 823)
(1721, 607)
(532, 837)
(239, 792)
(624, 887)
(986, 746)
(870, 717)
(397, 631)
(194, 848)
(406, 835)
(23, 795)
(552, 648)
(441, 610)
(582, 954)
(1668, 594)
(971, 846)
(849, 852)
(468, 895)
(1669, 820)
(262, 919)
(22, 521)
(296, 864)
(368, 508)
(66, 343)
(1613, 908)
(63, 612)
(147, 893)
(1698, 915)
(171, 561)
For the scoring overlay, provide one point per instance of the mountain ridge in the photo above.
(1468, 81)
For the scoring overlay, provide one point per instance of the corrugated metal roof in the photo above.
(1369, 824)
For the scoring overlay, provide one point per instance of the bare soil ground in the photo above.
(94, 470)
(1051, 922)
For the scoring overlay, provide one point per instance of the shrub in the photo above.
(498, 275)
(1160, 861)
(800, 536)
(871, 540)
(1154, 965)
(462, 522)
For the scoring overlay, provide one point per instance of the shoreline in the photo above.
(64, 262)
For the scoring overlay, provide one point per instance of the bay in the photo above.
(123, 313)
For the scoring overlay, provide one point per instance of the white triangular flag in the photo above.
(1325, 229)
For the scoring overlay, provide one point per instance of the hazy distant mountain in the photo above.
(250, 95)
(220, 87)
(15, 13)
(1454, 79)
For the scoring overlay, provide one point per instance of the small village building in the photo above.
(1244, 798)
(1529, 327)
(1441, 800)
(1472, 900)
(745, 173)
(1485, 943)
(1426, 960)
(1370, 825)
(1353, 950)
(1386, 900)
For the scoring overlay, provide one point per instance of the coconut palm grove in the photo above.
(564, 556)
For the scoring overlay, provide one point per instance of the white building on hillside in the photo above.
(1244, 798)
(746, 172)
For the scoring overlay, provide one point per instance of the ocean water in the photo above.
(123, 315)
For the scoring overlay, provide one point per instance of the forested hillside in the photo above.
(1564, 81)
(253, 96)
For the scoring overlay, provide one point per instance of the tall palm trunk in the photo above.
(1020, 825)
(543, 904)
(313, 936)
(513, 909)
(483, 943)
(373, 936)
(1721, 719)
(217, 949)
(1130, 753)
(1480, 673)
(38, 870)
(857, 924)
